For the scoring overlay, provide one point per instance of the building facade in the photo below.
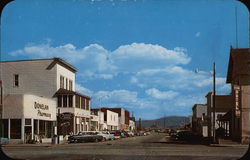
(199, 123)
(238, 76)
(223, 103)
(111, 119)
(35, 94)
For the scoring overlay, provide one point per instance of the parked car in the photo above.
(185, 135)
(118, 134)
(106, 135)
(125, 133)
(85, 137)
(131, 134)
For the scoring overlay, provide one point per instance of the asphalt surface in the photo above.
(151, 147)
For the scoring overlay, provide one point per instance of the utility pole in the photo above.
(214, 94)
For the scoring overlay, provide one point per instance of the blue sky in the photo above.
(137, 54)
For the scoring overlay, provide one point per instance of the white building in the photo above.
(30, 91)
(131, 125)
(199, 122)
(111, 119)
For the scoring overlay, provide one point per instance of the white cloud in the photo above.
(197, 34)
(83, 90)
(161, 94)
(150, 66)
(141, 56)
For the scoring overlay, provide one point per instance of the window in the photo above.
(61, 82)
(87, 105)
(59, 101)
(16, 80)
(27, 122)
(70, 85)
(70, 101)
(77, 101)
(65, 101)
(15, 128)
(82, 103)
(66, 83)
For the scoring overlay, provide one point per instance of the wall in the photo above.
(34, 78)
(245, 114)
(114, 121)
(66, 74)
(13, 106)
(31, 112)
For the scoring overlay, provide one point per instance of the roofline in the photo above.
(55, 60)
(27, 60)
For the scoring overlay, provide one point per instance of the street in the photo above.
(151, 147)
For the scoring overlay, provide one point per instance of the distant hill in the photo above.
(170, 121)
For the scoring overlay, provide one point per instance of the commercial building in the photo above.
(199, 121)
(111, 119)
(99, 120)
(238, 75)
(132, 124)
(123, 118)
(37, 93)
(222, 104)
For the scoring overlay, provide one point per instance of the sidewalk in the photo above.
(33, 145)
(229, 145)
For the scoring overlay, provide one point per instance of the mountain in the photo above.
(170, 121)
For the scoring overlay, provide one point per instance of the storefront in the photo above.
(29, 118)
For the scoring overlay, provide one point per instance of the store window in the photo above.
(4, 129)
(16, 80)
(15, 128)
(45, 128)
(35, 126)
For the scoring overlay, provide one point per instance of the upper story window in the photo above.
(82, 103)
(70, 101)
(77, 101)
(66, 83)
(59, 101)
(61, 82)
(70, 85)
(87, 104)
(16, 80)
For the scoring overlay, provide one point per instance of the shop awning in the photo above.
(62, 91)
(226, 117)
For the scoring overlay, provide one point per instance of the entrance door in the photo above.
(27, 134)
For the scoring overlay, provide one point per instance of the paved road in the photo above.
(152, 147)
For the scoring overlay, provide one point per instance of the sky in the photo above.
(141, 55)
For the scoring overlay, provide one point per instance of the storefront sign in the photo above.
(40, 107)
(66, 116)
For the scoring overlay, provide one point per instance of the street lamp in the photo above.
(214, 95)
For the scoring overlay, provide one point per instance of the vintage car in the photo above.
(85, 137)
(106, 135)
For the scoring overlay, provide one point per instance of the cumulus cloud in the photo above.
(160, 73)
(83, 90)
(161, 94)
